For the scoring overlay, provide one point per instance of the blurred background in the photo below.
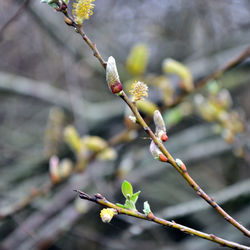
(54, 102)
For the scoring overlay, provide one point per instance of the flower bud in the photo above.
(107, 154)
(156, 152)
(112, 76)
(107, 214)
(160, 127)
(72, 138)
(94, 143)
(54, 169)
(132, 118)
(171, 66)
(66, 167)
(181, 165)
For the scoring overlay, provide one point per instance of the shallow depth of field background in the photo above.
(44, 64)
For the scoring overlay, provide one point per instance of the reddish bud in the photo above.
(181, 165)
(64, 6)
(112, 76)
(151, 216)
(163, 158)
(116, 87)
(164, 137)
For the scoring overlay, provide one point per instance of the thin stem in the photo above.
(14, 17)
(99, 199)
(79, 29)
(215, 75)
(184, 173)
(147, 129)
(231, 64)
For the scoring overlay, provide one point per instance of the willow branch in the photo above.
(99, 199)
(14, 17)
(40, 191)
(228, 66)
(70, 21)
(184, 173)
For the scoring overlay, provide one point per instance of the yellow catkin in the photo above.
(139, 90)
(107, 214)
(82, 9)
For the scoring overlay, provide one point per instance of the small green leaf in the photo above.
(120, 205)
(130, 205)
(51, 3)
(127, 189)
(135, 196)
(146, 209)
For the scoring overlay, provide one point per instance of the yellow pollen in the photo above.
(139, 90)
(82, 9)
(107, 214)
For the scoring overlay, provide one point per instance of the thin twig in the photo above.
(40, 191)
(147, 129)
(183, 172)
(215, 75)
(228, 66)
(35, 192)
(14, 17)
(99, 199)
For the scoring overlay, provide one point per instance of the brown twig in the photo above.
(182, 171)
(140, 120)
(228, 66)
(215, 75)
(70, 21)
(99, 199)
(35, 192)
(14, 17)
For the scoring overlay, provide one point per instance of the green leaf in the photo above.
(127, 189)
(135, 196)
(120, 205)
(130, 205)
(51, 3)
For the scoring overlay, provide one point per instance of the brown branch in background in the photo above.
(14, 17)
(183, 171)
(215, 75)
(99, 199)
(228, 66)
(35, 192)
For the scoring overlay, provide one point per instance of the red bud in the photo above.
(116, 88)
(163, 158)
(164, 137)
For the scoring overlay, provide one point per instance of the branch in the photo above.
(35, 192)
(14, 17)
(183, 171)
(228, 66)
(99, 199)
(231, 193)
